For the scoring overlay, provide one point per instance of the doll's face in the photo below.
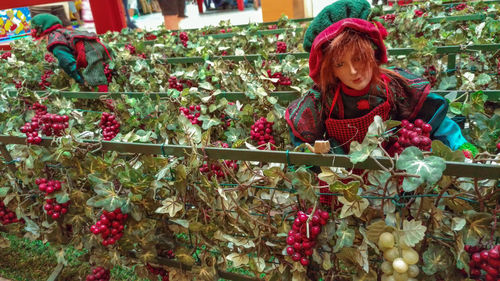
(352, 71)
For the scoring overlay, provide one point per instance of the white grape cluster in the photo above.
(400, 261)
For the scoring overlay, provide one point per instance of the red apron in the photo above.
(344, 131)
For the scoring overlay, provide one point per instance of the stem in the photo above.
(479, 197)
(310, 217)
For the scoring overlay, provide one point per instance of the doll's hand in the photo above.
(320, 147)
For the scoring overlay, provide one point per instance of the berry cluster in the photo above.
(215, 168)
(262, 132)
(51, 207)
(110, 226)
(282, 80)
(150, 37)
(460, 6)
(7, 216)
(184, 38)
(419, 13)
(486, 260)
(389, 18)
(272, 26)
(6, 55)
(108, 72)
(99, 274)
(280, 47)
(130, 48)
(416, 134)
(51, 124)
(19, 84)
(400, 261)
(174, 84)
(54, 209)
(158, 271)
(227, 30)
(109, 125)
(224, 53)
(430, 74)
(49, 58)
(44, 83)
(302, 244)
(226, 120)
(48, 186)
(192, 113)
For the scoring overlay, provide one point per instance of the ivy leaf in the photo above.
(4, 191)
(208, 122)
(413, 232)
(443, 151)
(350, 189)
(206, 85)
(429, 169)
(233, 134)
(436, 258)
(170, 206)
(345, 236)
(353, 208)
(327, 175)
(302, 182)
(483, 79)
(31, 227)
(238, 259)
(448, 82)
(360, 152)
(457, 223)
(62, 197)
(478, 226)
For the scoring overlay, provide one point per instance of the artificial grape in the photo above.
(413, 270)
(391, 254)
(386, 240)
(400, 276)
(399, 265)
(386, 267)
(410, 256)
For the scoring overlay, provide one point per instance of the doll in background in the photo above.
(351, 87)
(80, 54)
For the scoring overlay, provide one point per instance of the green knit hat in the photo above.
(42, 22)
(333, 13)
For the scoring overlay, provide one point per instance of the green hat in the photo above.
(42, 22)
(333, 13)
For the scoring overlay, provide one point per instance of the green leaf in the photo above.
(448, 82)
(457, 223)
(443, 151)
(436, 258)
(483, 79)
(359, 152)
(31, 227)
(208, 122)
(4, 191)
(206, 85)
(413, 232)
(350, 189)
(345, 236)
(429, 169)
(62, 197)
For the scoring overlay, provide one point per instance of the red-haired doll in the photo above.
(351, 88)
